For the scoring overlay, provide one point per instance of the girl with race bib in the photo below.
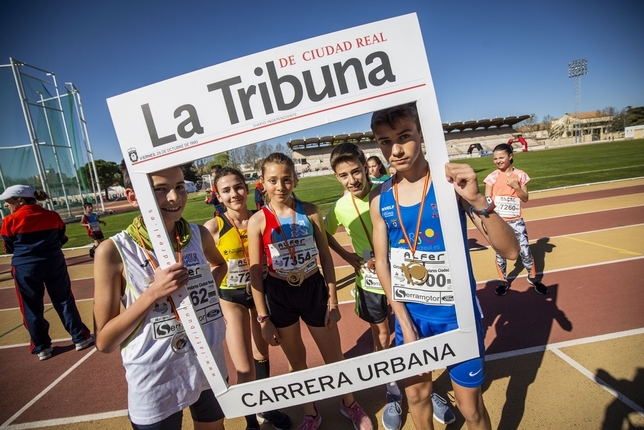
(291, 234)
(248, 350)
(507, 186)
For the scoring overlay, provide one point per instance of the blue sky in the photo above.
(488, 59)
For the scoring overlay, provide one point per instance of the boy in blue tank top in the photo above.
(406, 220)
(352, 211)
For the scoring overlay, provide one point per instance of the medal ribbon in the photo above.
(291, 251)
(364, 226)
(154, 266)
(420, 214)
(241, 242)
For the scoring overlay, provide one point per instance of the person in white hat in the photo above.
(35, 236)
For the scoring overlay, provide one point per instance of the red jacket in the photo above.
(33, 233)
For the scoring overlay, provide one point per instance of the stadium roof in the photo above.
(368, 136)
(508, 121)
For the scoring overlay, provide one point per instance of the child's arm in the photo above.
(111, 326)
(350, 257)
(256, 226)
(381, 255)
(497, 232)
(84, 221)
(217, 263)
(326, 261)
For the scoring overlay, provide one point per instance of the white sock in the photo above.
(392, 387)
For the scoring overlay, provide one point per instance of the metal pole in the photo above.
(69, 142)
(90, 151)
(28, 120)
(53, 147)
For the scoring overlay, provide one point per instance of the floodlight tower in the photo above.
(576, 69)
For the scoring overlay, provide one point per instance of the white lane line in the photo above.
(46, 390)
(556, 349)
(594, 378)
(72, 420)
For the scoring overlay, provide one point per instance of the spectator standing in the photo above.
(35, 236)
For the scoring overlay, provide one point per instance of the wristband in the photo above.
(262, 318)
(484, 212)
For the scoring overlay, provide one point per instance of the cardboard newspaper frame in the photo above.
(276, 93)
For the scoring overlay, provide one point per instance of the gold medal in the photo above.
(415, 272)
(371, 265)
(295, 277)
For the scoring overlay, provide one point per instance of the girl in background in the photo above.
(295, 288)
(377, 170)
(507, 186)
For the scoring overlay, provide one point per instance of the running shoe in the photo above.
(45, 354)
(502, 288)
(311, 423)
(86, 343)
(392, 416)
(442, 413)
(278, 419)
(538, 286)
(357, 415)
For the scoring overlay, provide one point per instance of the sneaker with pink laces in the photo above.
(311, 423)
(357, 415)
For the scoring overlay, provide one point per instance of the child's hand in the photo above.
(332, 316)
(354, 260)
(169, 279)
(269, 333)
(464, 179)
(410, 335)
(103, 222)
(512, 182)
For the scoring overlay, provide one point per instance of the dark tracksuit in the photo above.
(34, 236)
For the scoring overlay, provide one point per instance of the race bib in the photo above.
(305, 252)
(370, 278)
(239, 274)
(507, 207)
(424, 277)
(203, 295)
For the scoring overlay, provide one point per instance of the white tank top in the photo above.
(161, 367)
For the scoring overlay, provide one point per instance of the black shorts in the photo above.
(205, 410)
(237, 295)
(97, 235)
(287, 304)
(371, 307)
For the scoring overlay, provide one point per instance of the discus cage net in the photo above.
(44, 140)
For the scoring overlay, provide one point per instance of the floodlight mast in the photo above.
(576, 69)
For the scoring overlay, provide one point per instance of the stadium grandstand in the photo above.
(468, 138)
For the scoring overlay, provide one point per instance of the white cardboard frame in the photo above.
(202, 113)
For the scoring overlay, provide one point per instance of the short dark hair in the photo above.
(392, 115)
(346, 152)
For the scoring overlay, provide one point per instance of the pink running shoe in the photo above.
(311, 423)
(357, 415)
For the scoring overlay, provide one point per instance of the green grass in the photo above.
(551, 168)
